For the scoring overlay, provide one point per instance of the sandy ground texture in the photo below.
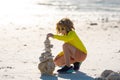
(22, 36)
(21, 46)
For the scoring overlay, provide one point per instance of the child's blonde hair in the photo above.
(65, 23)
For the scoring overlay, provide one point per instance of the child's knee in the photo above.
(65, 45)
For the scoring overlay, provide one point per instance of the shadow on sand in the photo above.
(48, 77)
(73, 76)
(76, 76)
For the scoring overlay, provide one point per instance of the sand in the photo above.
(22, 36)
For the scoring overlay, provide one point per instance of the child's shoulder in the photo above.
(72, 32)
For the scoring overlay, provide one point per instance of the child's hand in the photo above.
(50, 35)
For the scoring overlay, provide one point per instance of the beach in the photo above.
(25, 24)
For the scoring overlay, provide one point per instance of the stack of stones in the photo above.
(46, 65)
(109, 75)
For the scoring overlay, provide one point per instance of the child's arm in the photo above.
(65, 38)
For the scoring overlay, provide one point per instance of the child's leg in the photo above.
(59, 60)
(69, 51)
(70, 56)
(80, 57)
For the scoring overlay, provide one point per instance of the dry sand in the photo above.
(22, 37)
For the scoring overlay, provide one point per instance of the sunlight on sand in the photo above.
(23, 28)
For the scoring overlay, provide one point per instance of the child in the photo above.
(74, 52)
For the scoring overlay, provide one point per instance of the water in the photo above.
(40, 12)
(82, 5)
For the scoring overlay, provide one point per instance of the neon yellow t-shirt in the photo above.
(72, 39)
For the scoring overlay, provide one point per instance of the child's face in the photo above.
(62, 30)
